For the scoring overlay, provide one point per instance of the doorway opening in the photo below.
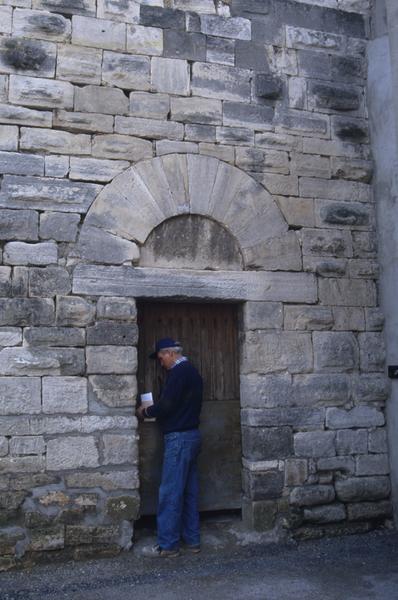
(209, 335)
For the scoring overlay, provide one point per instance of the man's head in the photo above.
(167, 351)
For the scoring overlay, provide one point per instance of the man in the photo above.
(177, 412)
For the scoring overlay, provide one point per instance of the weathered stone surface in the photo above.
(123, 507)
(325, 514)
(314, 444)
(72, 453)
(266, 352)
(26, 57)
(352, 442)
(126, 12)
(119, 449)
(47, 538)
(144, 40)
(123, 309)
(26, 311)
(59, 142)
(259, 515)
(256, 159)
(299, 37)
(152, 128)
(378, 441)
(312, 495)
(22, 464)
(94, 169)
(49, 282)
(73, 7)
(308, 318)
(74, 311)
(64, 395)
(362, 488)
(122, 146)
(262, 315)
(326, 242)
(85, 534)
(225, 153)
(348, 318)
(97, 245)
(346, 129)
(24, 116)
(300, 122)
(219, 81)
(359, 416)
(125, 71)
(259, 443)
(196, 110)
(22, 224)
(372, 351)
(150, 106)
(25, 445)
(170, 76)
(115, 391)
(61, 227)
(118, 334)
(309, 165)
(43, 93)
(337, 464)
(179, 44)
(374, 464)
(79, 64)
(267, 86)
(296, 471)
(111, 359)
(374, 318)
(234, 135)
(278, 417)
(325, 96)
(347, 292)
(107, 480)
(10, 336)
(54, 336)
(100, 99)
(41, 24)
(20, 395)
(369, 510)
(281, 253)
(14, 163)
(263, 486)
(41, 361)
(353, 169)
(164, 147)
(341, 214)
(8, 137)
(98, 33)
(21, 253)
(220, 50)
(56, 166)
(335, 351)
(160, 17)
(236, 28)
(81, 121)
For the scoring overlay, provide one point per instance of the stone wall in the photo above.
(251, 113)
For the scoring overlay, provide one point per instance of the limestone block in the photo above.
(297, 211)
(353, 169)
(83, 7)
(299, 37)
(224, 153)
(369, 510)
(339, 464)
(362, 488)
(179, 44)
(267, 443)
(326, 96)
(200, 133)
(10, 336)
(25, 445)
(278, 141)
(265, 391)
(196, 110)
(262, 485)
(49, 282)
(335, 190)
(374, 319)
(126, 12)
(378, 441)
(121, 147)
(99, 99)
(348, 318)
(98, 33)
(74, 311)
(372, 351)
(352, 442)
(359, 416)
(325, 514)
(26, 311)
(107, 480)
(125, 71)
(166, 18)
(222, 82)
(375, 464)
(362, 267)
(308, 318)
(256, 159)
(151, 106)
(8, 137)
(94, 169)
(326, 267)
(351, 130)
(296, 471)
(43, 93)
(236, 136)
(119, 309)
(335, 351)
(41, 361)
(197, 6)
(5, 281)
(281, 253)
(5, 19)
(354, 215)
(21, 253)
(97, 245)
(262, 315)
(301, 122)
(59, 142)
(3, 446)
(119, 449)
(151, 128)
(334, 148)
(64, 395)
(364, 243)
(47, 194)
(14, 163)
(236, 28)
(311, 495)
(41, 24)
(266, 352)
(111, 333)
(297, 90)
(168, 147)
(79, 121)
(24, 116)
(347, 292)
(284, 185)
(54, 336)
(61, 227)
(56, 166)
(22, 464)
(279, 417)
(20, 224)
(111, 359)
(311, 166)
(25, 57)
(20, 395)
(144, 40)
(314, 444)
(220, 50)
(115, 391)
(72, 453)
(170, 75)
(79, 64)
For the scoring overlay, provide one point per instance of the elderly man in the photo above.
(177, 412)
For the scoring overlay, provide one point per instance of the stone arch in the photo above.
(152, 191)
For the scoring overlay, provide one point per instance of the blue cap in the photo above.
(164, 343)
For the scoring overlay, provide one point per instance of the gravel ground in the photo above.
(357, 567)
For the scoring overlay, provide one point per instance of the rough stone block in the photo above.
(26, 311)
(41, 24)
(97, 245)
(310, 165)
(64, 395)
(237, 136)
(101, 100)
(312, 495)
(285, 185)
(359, 416)
(144, 40)
(315, 65)
(358, 489)
(364, 243)
(119, 449)
(80, 121)
(49, 282)
(220, 50)
(151, 128)
(61, 227)
(22, 464)
(25, 445)
(267, 443)
(362, 267)
(54, 336)
(222, 82)
(299, 122)
(341, 214)
(115, 391)
(308, 318)
(251, 55)
(21, 164)
(94, 169)
(259, 515)
(281, 253)
(124, 146)
(125, 71)
(299, 37)
(378, 441)
(262, 315)
(43, 93)
(170, 75)
(56, 166)
(8, 137)
(72, 453)
(150, 106)
(66, 7)
(126, 12)
(59, 142)
(335, 190)
(325, 267)
(253, 116)
(235, 28)
(279, 417)
(74, 311)
(336, 464)
(75, 535)
(179, 44)
(196, 110)
(3, 451)
(263, 485)
(266, 352)
(10, 336)
(296, 471)
(123, 507)
(98, 33)
(372, 351)
(20, 115)
(347, 292)
(348, 318)
(114, 334)
(374, 319)
(335, 351)
(353, 169)
(119, 309)
(79, 64)
(297, 211)
(267, 86)
(369, 510)
(21, 225)
(21, 253)
(164, 147)
(20, 395)
(314, 444)
(374, 464)
(325, 514)
(325, 96)
(41, 361)
(5, 19)
(107, 480)
(350, 130)
(352, 442)
(111, 359)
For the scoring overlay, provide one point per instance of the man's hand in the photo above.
(139, 413)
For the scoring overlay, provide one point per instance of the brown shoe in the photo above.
(158, 552)
(193, 549)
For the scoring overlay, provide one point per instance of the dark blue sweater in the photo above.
(178, 407)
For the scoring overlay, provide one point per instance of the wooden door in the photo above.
(208, 333)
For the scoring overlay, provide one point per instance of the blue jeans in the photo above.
(178, 515)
